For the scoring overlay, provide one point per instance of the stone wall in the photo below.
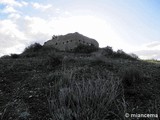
(70, 41)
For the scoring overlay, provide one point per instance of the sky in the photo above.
(130, 25)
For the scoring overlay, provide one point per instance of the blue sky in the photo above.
(131, 25)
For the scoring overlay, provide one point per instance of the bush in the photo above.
(130, 76)
(122, 54)
(52, 61)
(33, 47)
(108, 51)
(134, 56)
(5, 57)
(15, 56)
(32, 50)
(85, 49)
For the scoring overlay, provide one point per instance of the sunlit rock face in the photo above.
(70, 41)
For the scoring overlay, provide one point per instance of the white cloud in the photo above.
(67, 13)
(148, 54)
(9, 9)
(22, 32)
(38, 25)
(11, 36)
(41, 6)
(153, 45)
(149, 50)
(14, 16)
(24, 3)
(12, 3)
(15, 49)
(9, 28)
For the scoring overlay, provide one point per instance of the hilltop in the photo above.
(87, 83)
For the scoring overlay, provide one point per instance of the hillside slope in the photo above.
(53, 85)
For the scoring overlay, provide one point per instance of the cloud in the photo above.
(153, 45)
(149, 50)
(10, 28)
(41, 6)
(15, 49)
(14, 16)
(148, 54)
(23, 3)
(11, 36)
(21, 32)
(13, 3)
(38, 25)
(9, 9)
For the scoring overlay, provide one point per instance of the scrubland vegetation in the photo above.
(43, 83)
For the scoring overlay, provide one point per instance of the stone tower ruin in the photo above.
(70, 41)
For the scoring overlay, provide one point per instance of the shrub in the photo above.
(130, 76)
(52, 61)
(15, 56)
(5, 57)
(134, 56)
(33, 47)
(32, 50)
(122, 54)
(85, 49)
(108, 51)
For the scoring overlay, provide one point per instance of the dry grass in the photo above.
(89, 99)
